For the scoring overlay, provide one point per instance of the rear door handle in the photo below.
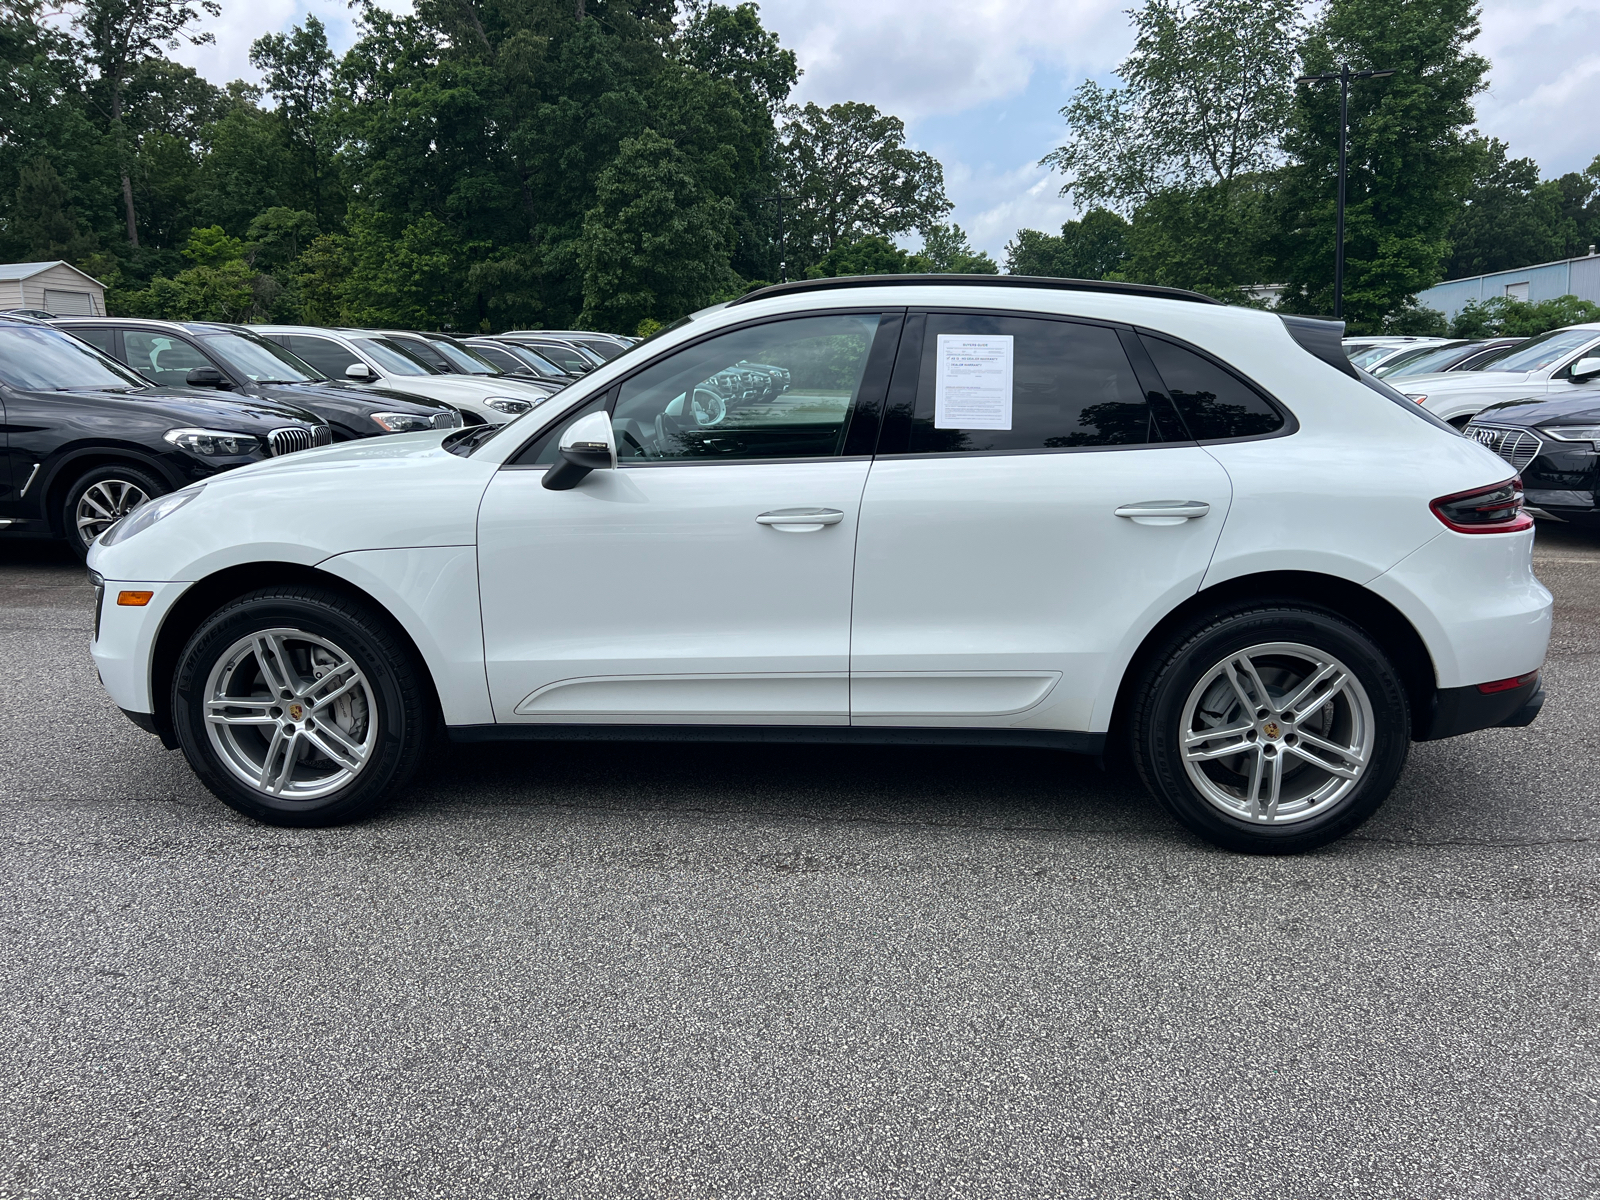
(800, 520)
(1163, 512)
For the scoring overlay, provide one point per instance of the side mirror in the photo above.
(210, 377)
(588, 444)
(358, 370)
(1584, 368)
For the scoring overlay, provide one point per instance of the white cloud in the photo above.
(928, 57)
(1544, 79)
(241, 24)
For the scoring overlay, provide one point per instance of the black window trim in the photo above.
(1291, 423)
(885, 344)
(909, 364)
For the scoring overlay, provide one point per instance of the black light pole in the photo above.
(1344, 77)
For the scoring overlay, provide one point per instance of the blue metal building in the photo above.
(1578, 277)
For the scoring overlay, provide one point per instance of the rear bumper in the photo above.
(1465, 709)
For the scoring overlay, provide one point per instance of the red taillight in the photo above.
(1496, 509)
(1507, 685)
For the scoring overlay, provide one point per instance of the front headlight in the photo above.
(148, 513)
(1574, 433)
(505, 404)
(402, 422)
(213, 443)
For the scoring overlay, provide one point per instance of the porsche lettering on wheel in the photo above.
(890, 509)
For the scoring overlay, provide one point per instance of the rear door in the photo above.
(1035, 505)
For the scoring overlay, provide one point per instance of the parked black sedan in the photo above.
(1554, 444)
(233, 358)
(86, 440)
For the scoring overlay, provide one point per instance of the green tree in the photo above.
(945, 248)
(1508, 218)
(1093, 247)
(43, 222)
(851, 175)
(297, 70)
(1411, 157)
(654, 244)
(1501, 316)
(869, 255)
(121, 36)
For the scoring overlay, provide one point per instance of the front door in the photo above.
(1035, 501)
(706, 579)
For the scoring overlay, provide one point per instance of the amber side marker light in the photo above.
(1506, 685)
(134, 599)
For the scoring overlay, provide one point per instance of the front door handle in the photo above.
(1163, 512)
(800, 520)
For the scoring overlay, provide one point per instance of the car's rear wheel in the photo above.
(101, 497)
(1271, 729)
(298, 706)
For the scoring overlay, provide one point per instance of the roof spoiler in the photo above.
(1323, 339)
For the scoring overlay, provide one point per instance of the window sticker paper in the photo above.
(972, 387)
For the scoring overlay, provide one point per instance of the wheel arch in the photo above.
(207, 595)
(1385, 623)
(73, 463)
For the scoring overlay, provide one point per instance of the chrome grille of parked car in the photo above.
(1517, 446)
(322, 435)
(297, 437)
(446, 420)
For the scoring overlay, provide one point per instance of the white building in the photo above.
(55, 287)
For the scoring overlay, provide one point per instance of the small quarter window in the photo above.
(1214, 403)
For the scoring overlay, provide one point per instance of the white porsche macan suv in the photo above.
(985, 510)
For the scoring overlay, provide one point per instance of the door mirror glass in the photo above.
(1585, 369)
(588, 444)
(205, 377)
(358, 370)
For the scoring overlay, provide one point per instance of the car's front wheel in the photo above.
(299, 706)
(101, 497)
(1272, 729)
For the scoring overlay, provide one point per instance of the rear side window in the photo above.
(1025, 383)
(328, 357)
(1213, 402)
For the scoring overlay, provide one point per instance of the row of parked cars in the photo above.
(1534, 401)
(105, 413)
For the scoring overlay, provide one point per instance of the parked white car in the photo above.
(1564, 362)
(999, 513)
(363, 356)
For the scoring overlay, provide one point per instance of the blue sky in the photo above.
(980, 82)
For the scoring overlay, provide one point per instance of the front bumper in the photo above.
(124, 642)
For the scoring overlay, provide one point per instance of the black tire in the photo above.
(395, 713)
(1161, 716)
(107, 480)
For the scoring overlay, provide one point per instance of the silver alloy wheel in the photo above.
(1277, 733)
(104, 503)
(290, 714)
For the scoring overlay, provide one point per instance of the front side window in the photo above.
(325, 354)
(465, 359)
(565, 356)
(1214, 403)
(162, 358)
(784, 389)
(1025, 383)
(40, 359)
(503, 359)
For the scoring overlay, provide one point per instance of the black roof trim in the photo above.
(1322, 339)
(1022, 281)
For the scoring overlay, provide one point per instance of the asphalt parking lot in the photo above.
(659, 971)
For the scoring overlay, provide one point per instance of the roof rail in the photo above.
(1025, 281)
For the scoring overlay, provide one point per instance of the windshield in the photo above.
(1425, 363)
(1372, 354)
(464, 359)
(533, 358)
(565, 357)
(605, 349)
(259, 360)
(37, 358)
(392, 358)
(1539, 352)
(1403, 360)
